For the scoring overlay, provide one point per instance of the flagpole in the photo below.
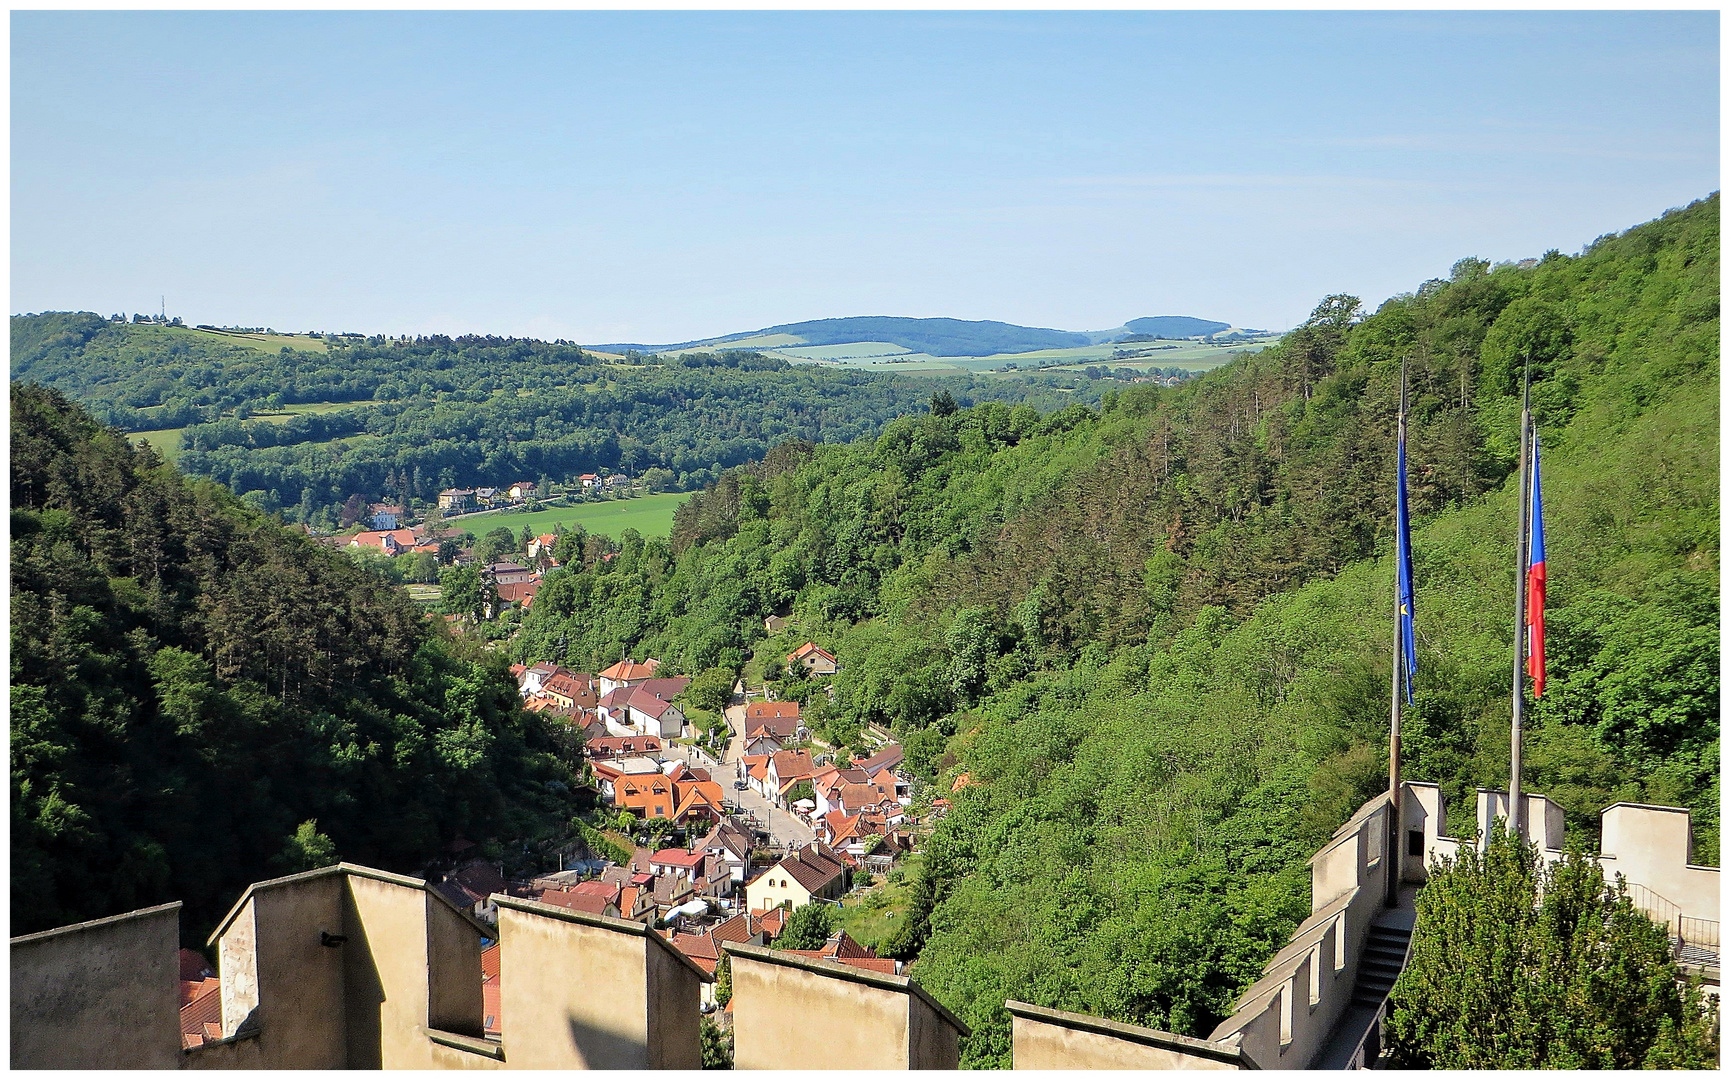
(1516, 809)
(1393, 862)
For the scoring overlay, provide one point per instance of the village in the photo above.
(390, 530)
(699, 849)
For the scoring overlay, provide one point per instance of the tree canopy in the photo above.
(1521, 965)
(202, 699)
(1154, 633)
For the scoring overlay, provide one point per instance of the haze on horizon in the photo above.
(670, 176)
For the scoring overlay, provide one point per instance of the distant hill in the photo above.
(1175, 326)
(942, 337)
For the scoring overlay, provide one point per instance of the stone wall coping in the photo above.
(605, 922)
(467, 1043)
(92, 924)
(1310, 931)
(1643, 806)
(1352, 825)
(249, 1029)
(898, 983)
(1165, 1040)
(349, 870)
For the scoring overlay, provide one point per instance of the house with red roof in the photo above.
(809, 873)
(678, 862)
(570, 689)
(755, 769)
(770, 710)
(772, 920)
(533, 679)
(648, 795)
(471, 888)
(626, 672)
(200, 1001)
(786, 769)
(387, 542)
(611, 746)
(704, 948)
(814, 659)
(540, 548)
(575, 901)
(645, 708)
(888, 756)
(520, 593)
(699, 801)
(842, 949)
(729, 849)
(764, 744)
(491, 998)
(776, 723)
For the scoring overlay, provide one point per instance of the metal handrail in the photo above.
(1659, 909)
(1700, 932)
(1691, 940)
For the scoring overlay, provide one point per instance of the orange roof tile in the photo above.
(630, 671)
(763, 710)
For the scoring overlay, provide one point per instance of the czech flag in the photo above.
(1535, 584)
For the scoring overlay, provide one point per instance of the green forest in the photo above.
(1156, 633)
(438, 412)
(202, 699)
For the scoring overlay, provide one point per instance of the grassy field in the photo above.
(261, 342)
(883, 356)
(289, 412)
(872, 917)
(651, 515)
(165, 441)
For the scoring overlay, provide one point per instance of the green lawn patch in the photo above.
(650, 515)
(165, 441)
(873, 916)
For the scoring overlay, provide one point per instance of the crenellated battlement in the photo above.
(352, 968)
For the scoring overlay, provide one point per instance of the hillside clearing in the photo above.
(650, 515)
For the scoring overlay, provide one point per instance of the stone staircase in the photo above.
(1383, 959)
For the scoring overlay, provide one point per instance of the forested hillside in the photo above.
(202, 699)
(440, 412)
(1156, 634)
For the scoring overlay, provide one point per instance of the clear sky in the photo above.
(658, 177)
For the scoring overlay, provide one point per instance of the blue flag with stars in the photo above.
(1403, 525)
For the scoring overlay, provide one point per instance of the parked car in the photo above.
(740, 785)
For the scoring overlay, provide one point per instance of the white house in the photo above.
(645, 709)
(811, 872)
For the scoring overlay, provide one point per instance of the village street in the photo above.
(783, 828)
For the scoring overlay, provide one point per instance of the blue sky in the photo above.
(657, 177)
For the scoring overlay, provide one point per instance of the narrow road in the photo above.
(783, 828)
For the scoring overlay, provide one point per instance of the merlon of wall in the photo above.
(103, 994)
(1053, 1039)
(848, 1018)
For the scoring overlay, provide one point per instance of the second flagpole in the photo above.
(1516, 808)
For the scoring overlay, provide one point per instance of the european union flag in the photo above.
(1403, 525)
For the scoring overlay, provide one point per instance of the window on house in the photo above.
(1414, 842)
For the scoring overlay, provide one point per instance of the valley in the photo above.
(1129, 638)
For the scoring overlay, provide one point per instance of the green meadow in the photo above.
(884, 356)
(650, 515)
(262, 342)
(165, 441)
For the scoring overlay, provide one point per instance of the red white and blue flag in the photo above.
(1535, 584)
